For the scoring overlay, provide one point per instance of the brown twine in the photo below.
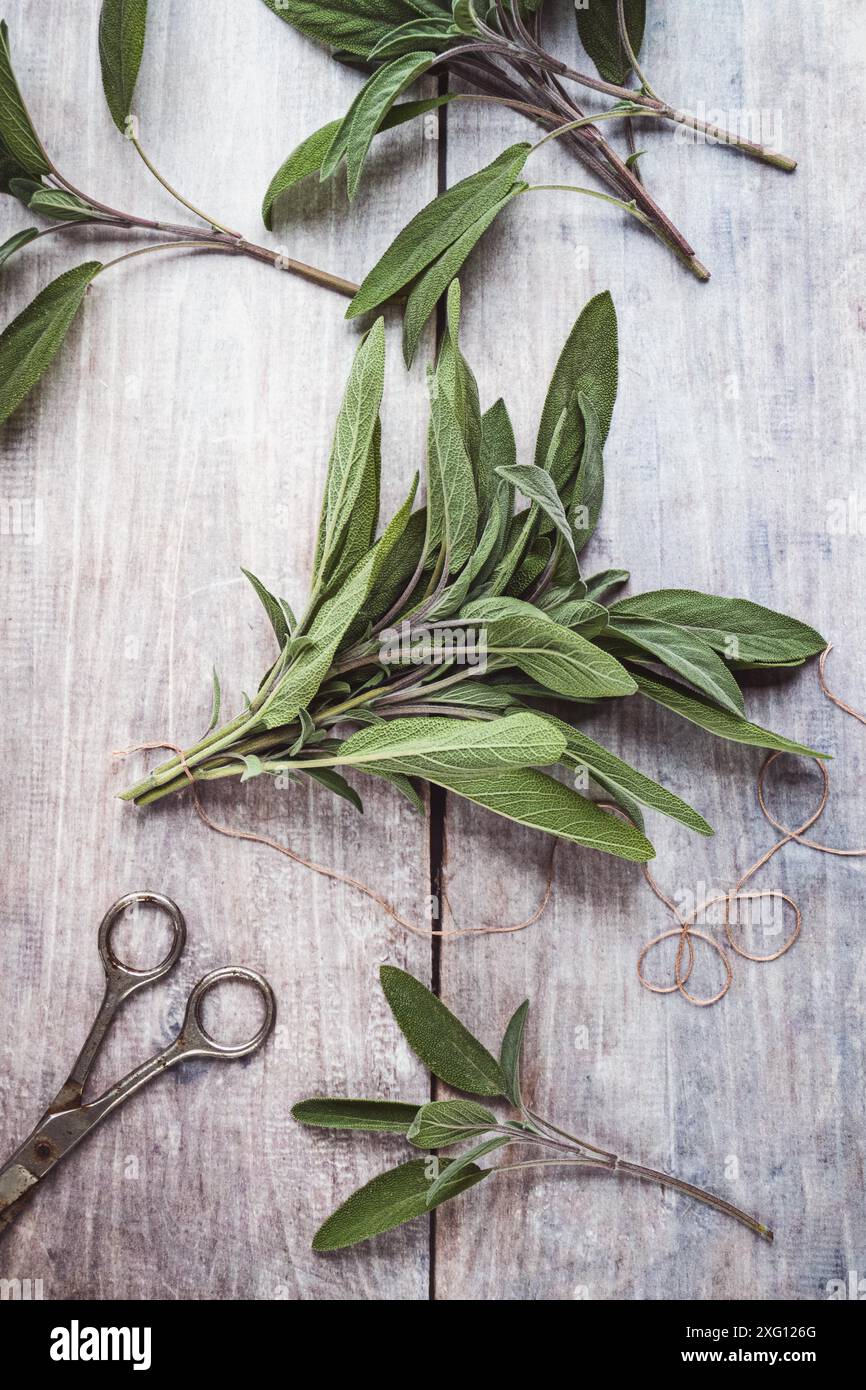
(686, 931)
(338, 876)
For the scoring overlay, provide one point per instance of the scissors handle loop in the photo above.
(125, 979)
(196, 1041)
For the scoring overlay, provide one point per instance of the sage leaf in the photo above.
(122, 28)
(588, 493)
(297, 688)
(445, 1046)
(373, 1116)
(735, 627)
(351, 451)
(428, 746)
(388, 1201)
(333, 782)
(355, 134)
(587, 365)
(431, 285)
(216, 702)
(402, 784)
(611, 771)
(307, 158)
(685, 653)
(444, 1122)
(537, 486)
(509, 1054)
(600, 584)
(16, 129)
(534, 799)
(436, 226)
(720, 722)
(559, 659)
(417, 33)
(456, 479)
(61, 206)
(354, 25)
(464, 1161)
(273, 608)
(598, 27)
(16, 242)
(30, 343)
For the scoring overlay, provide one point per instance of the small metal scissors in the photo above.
(69, 1118)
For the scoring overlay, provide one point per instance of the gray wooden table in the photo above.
(184, 432)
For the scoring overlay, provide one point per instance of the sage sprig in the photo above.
(497, 51)
(451, 1053)
(29, 174)
(447, 649)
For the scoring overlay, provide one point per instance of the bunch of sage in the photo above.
(439, 646)
(29, 174)
(496, 51)
(455, 1056)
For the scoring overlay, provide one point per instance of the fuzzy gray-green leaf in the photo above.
(372, 1116)
(17, 132)
(30, 343)
(685, 653)
(387, 1201)
(122, 28)
(355, 134)
(510, 1052)
(436, 226)
(720, 722)
(444, 1122)
(442, 1042)
(587, 364)
(307, 157)
(735, 627)
(598, 27)
(16, 242)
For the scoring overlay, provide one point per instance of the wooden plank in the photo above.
(738, 423)
(185, 431)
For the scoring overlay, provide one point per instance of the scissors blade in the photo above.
(16, 1183)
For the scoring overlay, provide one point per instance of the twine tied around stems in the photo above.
(685, 931)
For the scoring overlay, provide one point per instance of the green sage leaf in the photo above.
(30, 343)
(735, 627)
(534, 799)
(273, 608)
(17, 132)
(436, 226)
(372, 1116)
(558, 658)
(611, 772)
(354, 25)
(537, 486)
(456, 479)
(509, 1054)
(598, 27)
(442, 1042)
(599, 584)
(307, 158)
(588, 365)
(388, 1201)
(417, 33)
(444, 1122)
(464, 1161)
(355, 134)
(685, 653)
(333, 782)
(427, 746)
(430, 286)
(16, 242)
(63, 207)
(352, 451)
(122, 28)
(720, 722)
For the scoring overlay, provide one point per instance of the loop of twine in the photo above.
(685, 931)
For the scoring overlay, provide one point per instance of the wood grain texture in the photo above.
(184, 432)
